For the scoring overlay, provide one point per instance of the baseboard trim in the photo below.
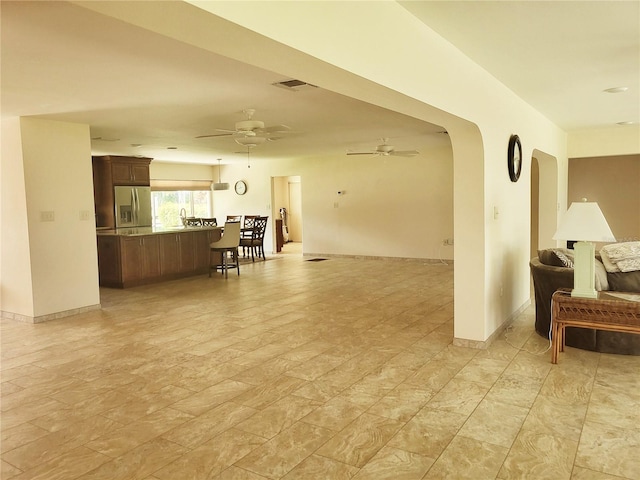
(46, 318)
(483, 345)
(430, 261)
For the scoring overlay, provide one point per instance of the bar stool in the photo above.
(228, 243)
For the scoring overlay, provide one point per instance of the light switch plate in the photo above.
(48, 216)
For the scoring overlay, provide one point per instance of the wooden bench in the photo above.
(613, 311)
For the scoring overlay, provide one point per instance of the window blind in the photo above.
(175, 185)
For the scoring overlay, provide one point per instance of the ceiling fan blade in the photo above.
(276, 129)
(215, 135)
(404, 153)
(361, 153)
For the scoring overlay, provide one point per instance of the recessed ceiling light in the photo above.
(136, 145)
(172, 148)
(625, 123)
(617, 90)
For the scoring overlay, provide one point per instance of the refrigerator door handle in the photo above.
(136, 210)
(133, 206)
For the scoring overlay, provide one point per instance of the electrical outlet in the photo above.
(447, 242)
(85, 215)
(48, 216)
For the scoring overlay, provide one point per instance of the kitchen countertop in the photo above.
(137, 231)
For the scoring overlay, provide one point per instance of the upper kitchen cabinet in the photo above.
(130, 170)
(110, 171)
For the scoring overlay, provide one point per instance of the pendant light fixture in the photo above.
(219, 185)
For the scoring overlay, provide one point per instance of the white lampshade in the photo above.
(584, 221)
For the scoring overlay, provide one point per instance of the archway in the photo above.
(545, 203)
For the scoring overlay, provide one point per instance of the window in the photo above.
(168, 198)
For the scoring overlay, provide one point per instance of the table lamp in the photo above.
(585, 223)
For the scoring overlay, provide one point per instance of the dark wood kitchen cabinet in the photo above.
(130, 171)
(130, 260)
(110, 171)
(202, 250)
(177, 253)
(140, 258)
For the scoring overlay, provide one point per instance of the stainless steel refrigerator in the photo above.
(133, 206)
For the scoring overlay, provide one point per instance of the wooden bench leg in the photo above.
(554, 341)
(558, 335)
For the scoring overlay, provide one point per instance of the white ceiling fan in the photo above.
(250, 132)
(386, 149)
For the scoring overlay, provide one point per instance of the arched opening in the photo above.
(545, 203)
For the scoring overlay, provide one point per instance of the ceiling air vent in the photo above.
(295, 85)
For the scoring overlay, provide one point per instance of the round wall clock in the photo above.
(514, 158)
(241, 187)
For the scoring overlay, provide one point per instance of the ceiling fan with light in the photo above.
(386, 149)
(250, 132)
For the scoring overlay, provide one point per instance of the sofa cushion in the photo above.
(624, 281)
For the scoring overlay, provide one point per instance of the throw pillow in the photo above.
(565, 257)
(547, 257)
(556, 257)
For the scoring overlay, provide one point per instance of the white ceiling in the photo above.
(559, 56)
(132, 86)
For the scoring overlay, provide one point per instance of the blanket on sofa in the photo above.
(621, 257)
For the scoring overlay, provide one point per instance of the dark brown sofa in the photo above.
(549, 276)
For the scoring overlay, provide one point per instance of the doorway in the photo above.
(287, 206)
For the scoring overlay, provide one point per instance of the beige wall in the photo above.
(54, 161)
(174, 171)
(15, 262)
(613, 182)
(391, 206)
(604, 142)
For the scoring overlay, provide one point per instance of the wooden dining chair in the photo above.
(228, 244)
(247, 230)
(192, 222)
(234, 218)
(256, 242)
(209, 222)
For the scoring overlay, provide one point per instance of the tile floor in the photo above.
(306, 370)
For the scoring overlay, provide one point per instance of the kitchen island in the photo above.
(135, 256)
